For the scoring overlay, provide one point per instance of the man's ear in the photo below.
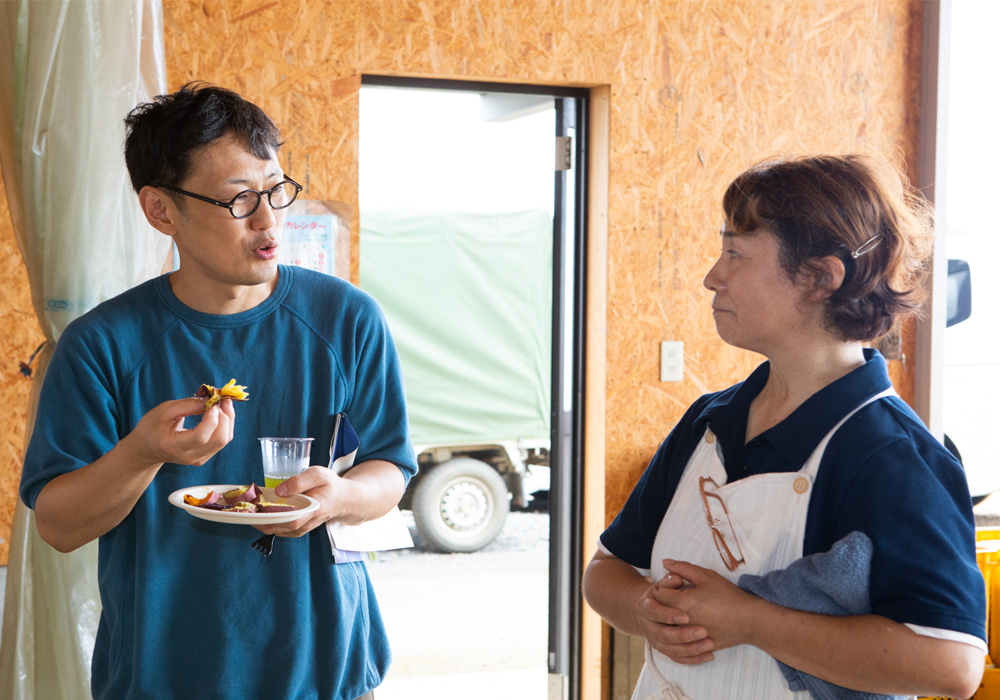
(160, 210)
(829, 278)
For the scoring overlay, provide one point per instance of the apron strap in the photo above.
(811, 466)
(666, 690)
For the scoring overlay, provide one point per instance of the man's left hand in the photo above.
(367, 491)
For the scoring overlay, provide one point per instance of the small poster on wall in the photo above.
(308, 241)
(316, 238)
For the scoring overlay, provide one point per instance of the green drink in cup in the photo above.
(284, 458)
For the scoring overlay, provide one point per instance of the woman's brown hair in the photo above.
(854, 207)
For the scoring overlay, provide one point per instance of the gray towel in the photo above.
(830, 583)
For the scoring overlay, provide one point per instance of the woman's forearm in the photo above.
(865, 652)
(612, 588)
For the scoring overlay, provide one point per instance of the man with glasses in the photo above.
(190, 609)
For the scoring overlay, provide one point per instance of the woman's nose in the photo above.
(713, 280)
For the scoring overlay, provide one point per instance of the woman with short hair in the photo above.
(802, 530)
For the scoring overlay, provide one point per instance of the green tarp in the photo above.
(468, 298)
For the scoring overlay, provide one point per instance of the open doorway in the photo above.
(470, 227)
(967, 151)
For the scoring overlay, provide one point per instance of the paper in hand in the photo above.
(352, 542)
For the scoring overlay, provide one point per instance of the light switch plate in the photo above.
(672, 361)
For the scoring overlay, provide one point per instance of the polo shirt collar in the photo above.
(798, 435)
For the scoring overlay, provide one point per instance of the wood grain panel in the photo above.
(697, 91)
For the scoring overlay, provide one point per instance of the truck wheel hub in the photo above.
(464, 506)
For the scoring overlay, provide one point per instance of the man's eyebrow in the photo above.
(244, 181)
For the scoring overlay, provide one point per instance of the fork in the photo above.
(264, 544)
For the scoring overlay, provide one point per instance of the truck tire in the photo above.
(460, 505)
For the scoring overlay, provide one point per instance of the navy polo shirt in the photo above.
(882, 473)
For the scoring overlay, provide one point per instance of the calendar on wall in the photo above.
(307, 241)
(316, 238)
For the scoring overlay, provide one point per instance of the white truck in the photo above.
(971, 361)
(468, 298)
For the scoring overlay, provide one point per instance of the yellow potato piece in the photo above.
(231, 390)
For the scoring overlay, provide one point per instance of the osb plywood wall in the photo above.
(699, 91)
(20, 334)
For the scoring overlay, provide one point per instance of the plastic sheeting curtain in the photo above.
(70, 70)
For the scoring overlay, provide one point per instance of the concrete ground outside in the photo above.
(468, 625)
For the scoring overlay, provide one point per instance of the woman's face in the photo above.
(756, 305)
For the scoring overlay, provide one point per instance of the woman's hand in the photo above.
(708, 601)
(666, 626)
(634, 605)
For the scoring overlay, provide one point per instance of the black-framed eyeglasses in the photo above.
(246, 202)
(723, 533)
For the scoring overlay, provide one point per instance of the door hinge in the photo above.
(564, 152)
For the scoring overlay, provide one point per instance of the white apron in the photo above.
(768, 515)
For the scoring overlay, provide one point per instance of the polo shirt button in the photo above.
(709, 437)
(745, 469)
(800, 485)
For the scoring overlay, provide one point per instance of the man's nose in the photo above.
(264, 218)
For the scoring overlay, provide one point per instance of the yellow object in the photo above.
(231, 390)
(988, 556)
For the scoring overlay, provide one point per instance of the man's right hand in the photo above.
(81, 505)
(160, 436)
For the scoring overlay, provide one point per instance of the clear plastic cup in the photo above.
(284, 458)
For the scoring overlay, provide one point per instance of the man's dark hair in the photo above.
(160, 135)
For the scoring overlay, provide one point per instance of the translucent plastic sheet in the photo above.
(69, 72)
(476, 342)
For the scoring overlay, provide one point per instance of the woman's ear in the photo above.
(160, 211)
(828, 277)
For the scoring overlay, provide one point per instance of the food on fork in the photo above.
(231, 390)
(242, 499)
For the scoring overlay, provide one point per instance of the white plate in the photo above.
(305, 505)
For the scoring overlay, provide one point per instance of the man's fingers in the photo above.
(197, 445)
(230, 412)
(311, 478)
(206, 427)
(182, 408)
